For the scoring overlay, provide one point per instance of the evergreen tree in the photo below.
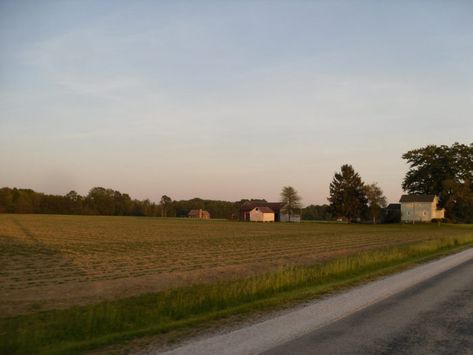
(347, 194)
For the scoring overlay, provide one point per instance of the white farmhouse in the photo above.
(420, 208)
(262, 214)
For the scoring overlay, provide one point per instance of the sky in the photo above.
(228, 99)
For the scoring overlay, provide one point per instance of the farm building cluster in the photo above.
(411, 208)
(255, 211)
(414, 208)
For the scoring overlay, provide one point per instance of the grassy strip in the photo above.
(88, 327)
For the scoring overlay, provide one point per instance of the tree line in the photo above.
(99, 201)
(109, 202)
(440, 170)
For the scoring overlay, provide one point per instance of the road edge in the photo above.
(269, 333)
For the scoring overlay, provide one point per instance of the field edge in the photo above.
(185, 324)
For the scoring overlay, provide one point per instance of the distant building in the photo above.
(277, 208)
(200, 214)
(295, 217)
(248, 206)
(420, 208)
(391, 213)
(262, 214)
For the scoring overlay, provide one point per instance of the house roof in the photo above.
(274, 206)
(197, 212)
(394, 206)
(264, 209)
(417, 198)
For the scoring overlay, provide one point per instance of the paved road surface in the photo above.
(434, 317)
(427, 309)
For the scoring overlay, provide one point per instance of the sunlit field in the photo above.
(50, 261)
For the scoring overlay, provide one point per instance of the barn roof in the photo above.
(264, 209)
(274, 206)
(417, 198)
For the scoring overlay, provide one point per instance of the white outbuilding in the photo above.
(262, 214)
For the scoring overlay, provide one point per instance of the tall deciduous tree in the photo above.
(291, 199)
(459, 201)
(376, 200)
(444, 171)
(430, 166)
(165, 203)
(347, 194)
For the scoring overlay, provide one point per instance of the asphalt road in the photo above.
(433, 317)
(424, 310)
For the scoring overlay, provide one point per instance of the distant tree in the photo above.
(101, 201)
(217, 209)
(26, 201)
(347, 194)
(444, 171)
(53, 204)
(459, 203)
(6, 200)
(316, 213)
(123, 204)
(291, 199)
(165, 204)
(74, 202)
(376, 201)
(430, 166)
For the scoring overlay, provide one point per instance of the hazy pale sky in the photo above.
(228, 99)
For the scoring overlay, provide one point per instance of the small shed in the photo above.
(248, 206)
(199, 214)
(262, 214)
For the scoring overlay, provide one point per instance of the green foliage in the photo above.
(459, 200)
(347, 194)
(444, 171)
(376, 201)
(19, 201)
(104, 201)
(291, 199)
(317, 213)
(216, 208)
(165, 204)
(6, 201)
(82, 327)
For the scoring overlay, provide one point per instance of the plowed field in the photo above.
(49, 261)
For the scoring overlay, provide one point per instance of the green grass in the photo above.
(87, 327)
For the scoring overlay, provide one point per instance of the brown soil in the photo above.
(52, 262)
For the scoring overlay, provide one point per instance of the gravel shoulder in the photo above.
(283, 328)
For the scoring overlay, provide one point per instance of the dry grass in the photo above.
(57, 261)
